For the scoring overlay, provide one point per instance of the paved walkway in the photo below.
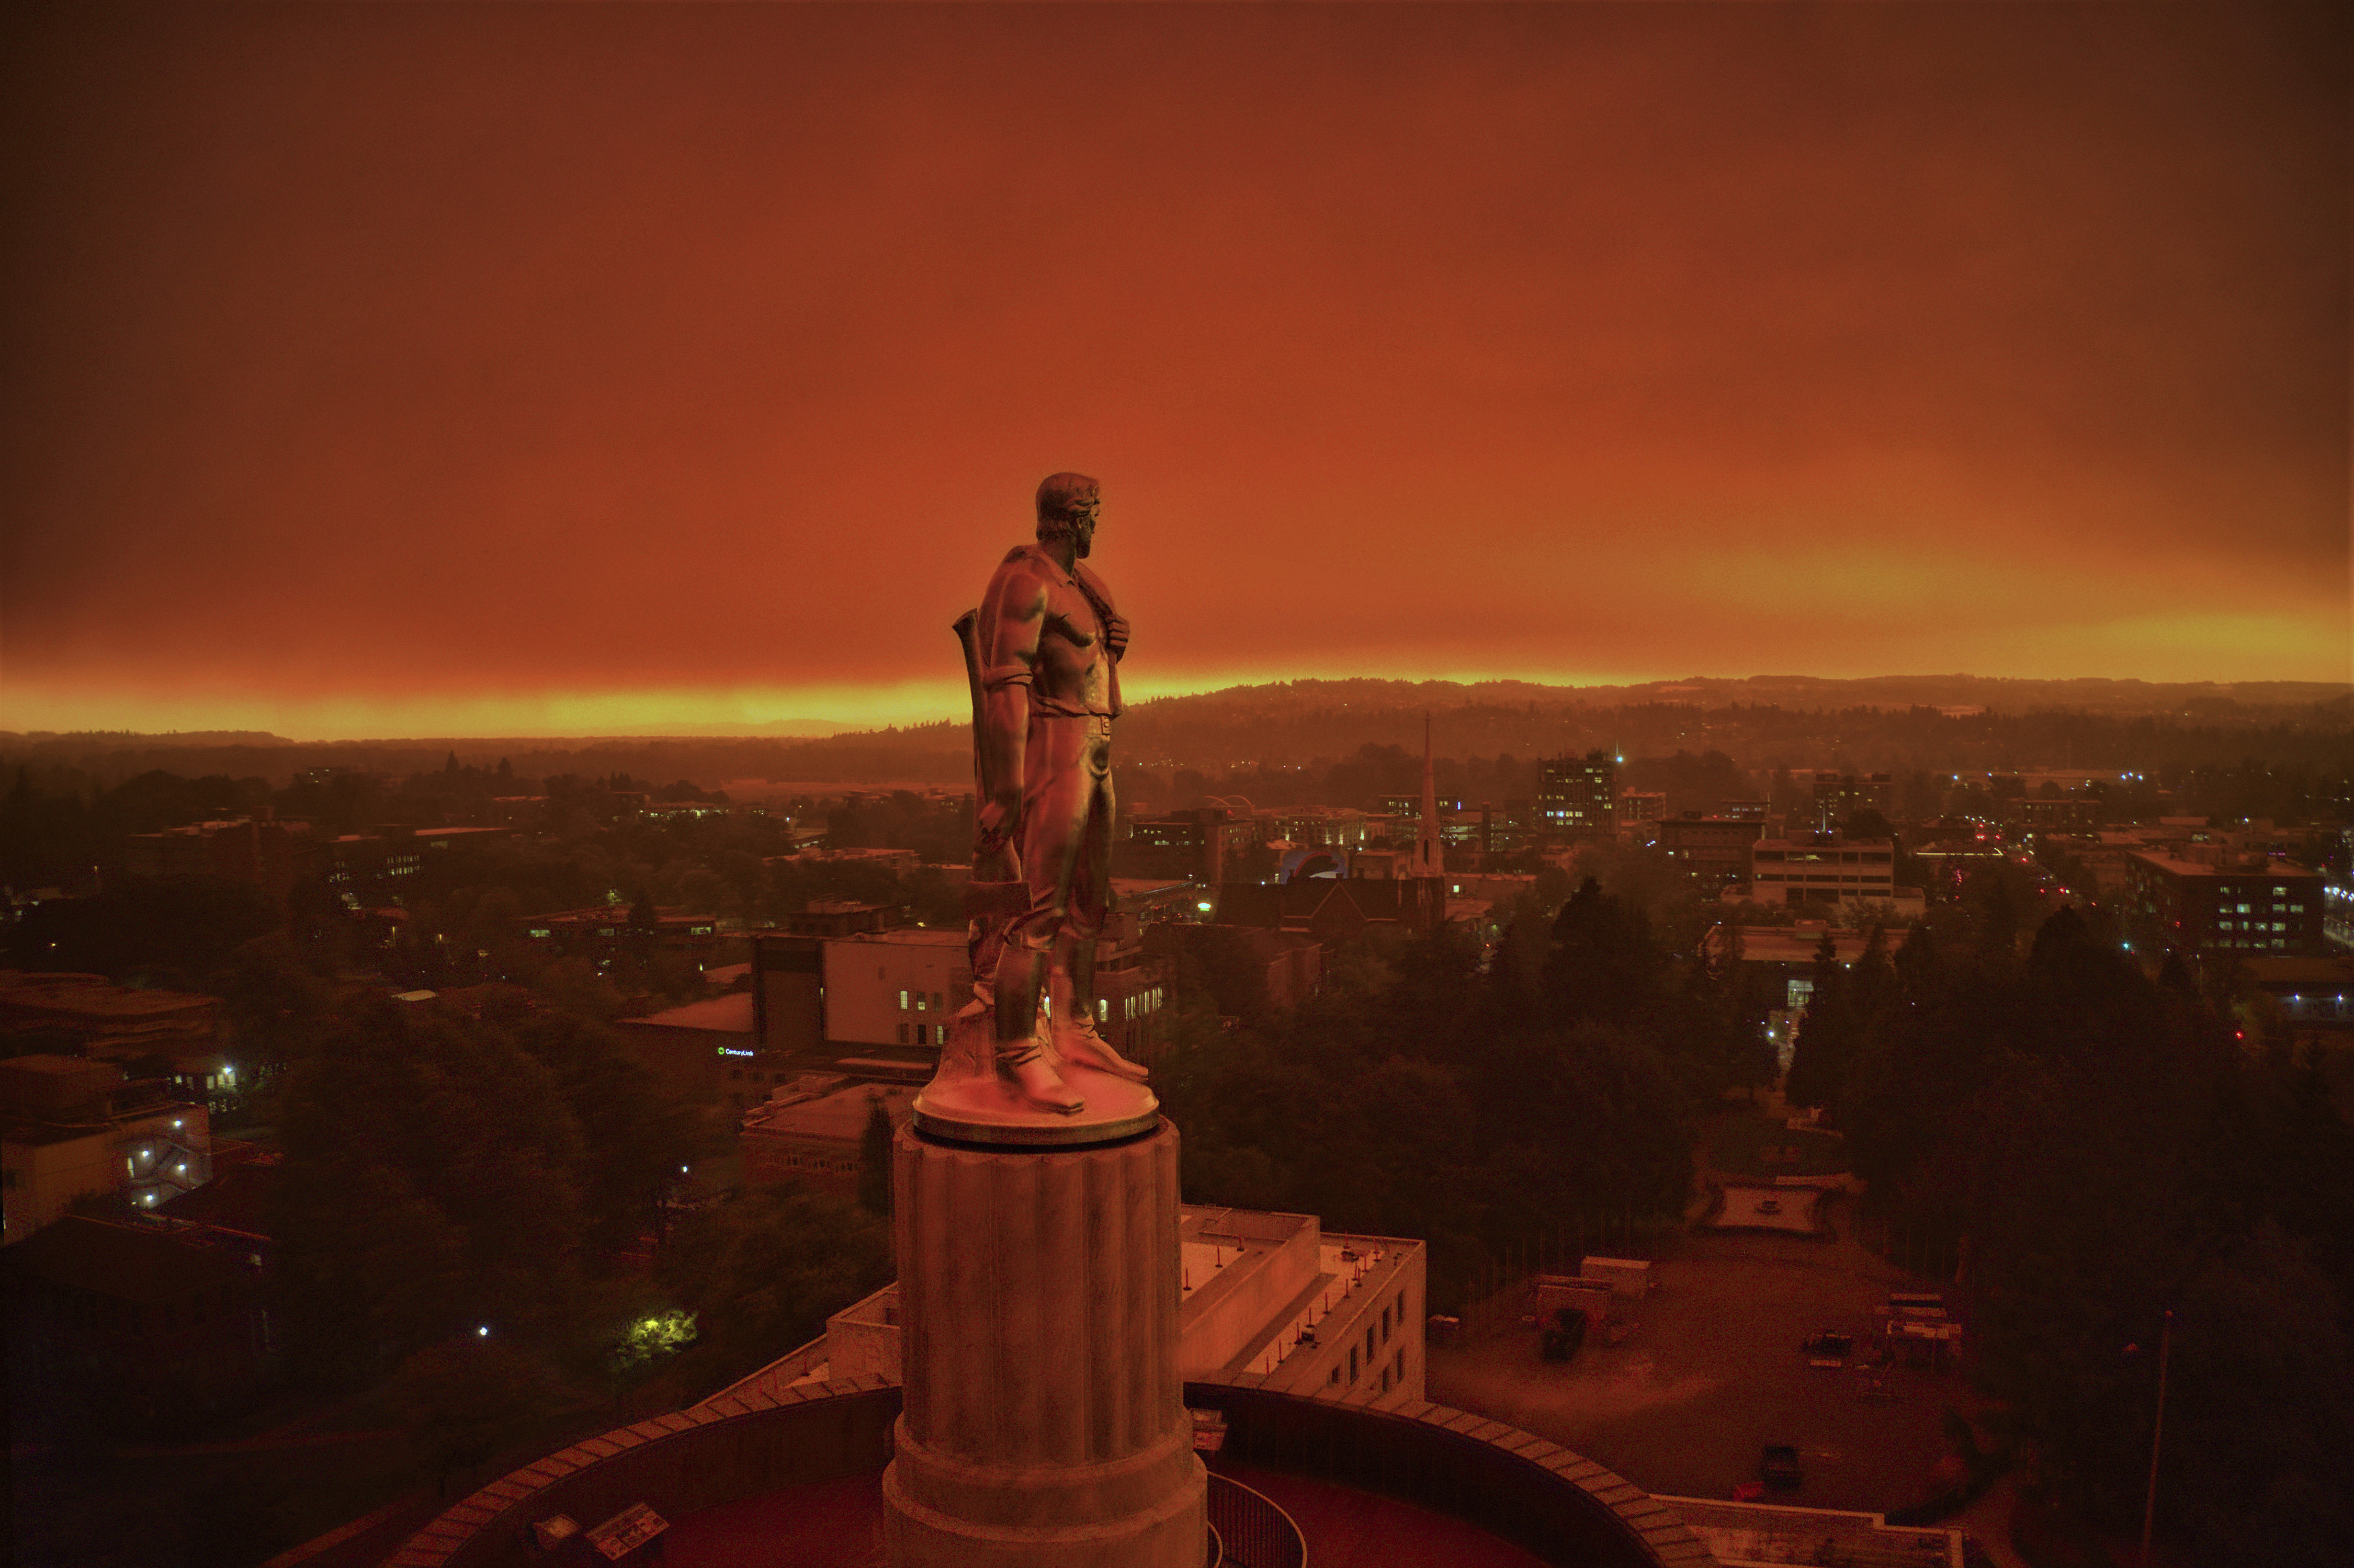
(1713, 1372)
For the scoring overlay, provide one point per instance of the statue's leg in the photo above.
(1077, 1035)
(1051, 807)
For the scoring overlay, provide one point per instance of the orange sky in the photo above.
(419, 369)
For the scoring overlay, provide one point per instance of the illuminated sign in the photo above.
(731, 1051)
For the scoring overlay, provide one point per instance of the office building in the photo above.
(1577, 797)
(1839, 796)
(889, 995)
(1822, 867)
(2224, 901)
(1712, 851)
(1641, 813)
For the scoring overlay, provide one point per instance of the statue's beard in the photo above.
(1082, 539)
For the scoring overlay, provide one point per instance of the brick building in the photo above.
(2226, 902)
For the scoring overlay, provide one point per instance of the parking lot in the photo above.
(1714, 1370)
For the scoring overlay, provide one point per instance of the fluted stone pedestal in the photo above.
(1045, 1422)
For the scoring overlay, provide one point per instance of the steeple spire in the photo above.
(1429, 858)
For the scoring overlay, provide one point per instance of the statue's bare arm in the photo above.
(1011, 621)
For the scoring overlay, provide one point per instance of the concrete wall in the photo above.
(864, 979)
(731, 1447)
(1227, 1316)
(1563, 1508)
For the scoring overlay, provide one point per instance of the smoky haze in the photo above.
(377, 366)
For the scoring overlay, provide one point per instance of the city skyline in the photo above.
(391, 370)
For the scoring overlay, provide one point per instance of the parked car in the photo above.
(1563, 1335)
(1779, 1466)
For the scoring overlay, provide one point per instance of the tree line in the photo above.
(2092, 1147)
(1419, 1093)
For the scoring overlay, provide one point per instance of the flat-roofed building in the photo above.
(706, 1050)
(1150, 900)
(85, 1014)
(1824, 868)
(788, 991)
(815, 1133)
(1837, 796)
(897, 862)
(1336, 910)
(168, 1315)
(899, 987)
(604, 932)
(266, 852)
(1641, 813)
(70, 1127)
(1194, 843)
(1268, 1301)
(1271, 1300)
(833, 917)
(891, 994)
(2315, 995)
(1331, 827)
(1712, 851)
(2226, 902)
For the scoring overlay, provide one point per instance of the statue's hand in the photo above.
(995, 857)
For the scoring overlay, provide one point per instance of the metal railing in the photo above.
(1248, 1530)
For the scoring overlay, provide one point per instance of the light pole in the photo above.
(2156, 1432)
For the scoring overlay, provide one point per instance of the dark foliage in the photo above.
(1418, 1096)
(2099, 1148)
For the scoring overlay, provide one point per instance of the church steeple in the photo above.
(1429, 857)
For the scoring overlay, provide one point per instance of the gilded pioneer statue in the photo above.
(1043, 654)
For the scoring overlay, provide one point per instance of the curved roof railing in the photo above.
(1262, 1534)
(1563, 1508)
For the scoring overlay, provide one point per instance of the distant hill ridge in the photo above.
(2085, 694)
(1889, 721)
(2092, 694)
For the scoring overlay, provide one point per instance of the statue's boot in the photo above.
(1078, 1039)
(1021, 1061)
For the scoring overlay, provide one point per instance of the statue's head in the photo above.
(1067, 503)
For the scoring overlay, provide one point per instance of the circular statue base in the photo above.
(987, 1110)
(1044, 1423)
(971, 1102)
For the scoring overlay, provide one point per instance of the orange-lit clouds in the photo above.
(384, 369)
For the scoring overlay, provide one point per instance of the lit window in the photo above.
(903, 1001)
